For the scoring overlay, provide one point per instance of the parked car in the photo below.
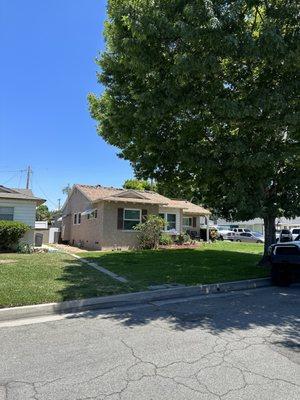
(223, 233)
(285, 236)
(285, 262)
(241, 230)
(250, 237)
(230, 236)
(295, 233)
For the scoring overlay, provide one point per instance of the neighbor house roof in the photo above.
(97, 193)
(188, 207)
(19, 194)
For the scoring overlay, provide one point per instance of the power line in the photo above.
(12, 171)
(46, 196)
(11, 178)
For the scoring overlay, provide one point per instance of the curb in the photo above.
(120, 300)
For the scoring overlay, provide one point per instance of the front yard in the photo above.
(210, 263)
(41, 278)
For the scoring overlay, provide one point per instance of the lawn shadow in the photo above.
(81, 281)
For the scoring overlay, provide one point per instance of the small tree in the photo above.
(10, 233)
(137, 184)
(149, 232)
(42, 213)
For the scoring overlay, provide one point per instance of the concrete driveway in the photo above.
(235, 346)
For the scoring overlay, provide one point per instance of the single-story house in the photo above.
(19, 205)
(103, 218)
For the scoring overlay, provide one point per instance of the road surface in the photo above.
(243, 345)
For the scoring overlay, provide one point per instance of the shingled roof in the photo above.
(188, 207)
(19, 194)
(97, 193)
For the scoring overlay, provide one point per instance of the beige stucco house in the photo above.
(102, 218)
(19, 205)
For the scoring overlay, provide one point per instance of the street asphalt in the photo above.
(243, 345)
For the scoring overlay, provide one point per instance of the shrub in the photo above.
(24, 248)
(149, 232)
(165, 239)
(10, 233)
(183, 238)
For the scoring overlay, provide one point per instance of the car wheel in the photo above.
(238, 240)
(280, 275)
(221, 237)
(258, 241)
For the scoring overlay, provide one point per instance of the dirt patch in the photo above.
(69, 249)
(8, 261)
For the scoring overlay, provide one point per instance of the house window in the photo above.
(79, 218)
(187, 222)
(93, 214)
(131, 218)
(6, 213)
(75, 219)
(170, 221)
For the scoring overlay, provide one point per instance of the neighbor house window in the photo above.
(131, 218)
(170, 221)
(79, 218)
(6, 213)
(75, 219)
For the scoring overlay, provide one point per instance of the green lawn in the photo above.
(218, 262)
(42, 278)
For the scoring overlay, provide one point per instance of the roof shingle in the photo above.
(97, 193)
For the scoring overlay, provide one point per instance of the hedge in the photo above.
(10, 233)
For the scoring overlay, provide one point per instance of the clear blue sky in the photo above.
(48, 51)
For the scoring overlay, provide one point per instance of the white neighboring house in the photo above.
(19, 205)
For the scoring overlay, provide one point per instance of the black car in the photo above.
(285, 262)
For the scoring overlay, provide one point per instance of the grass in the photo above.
(42, 278)
(53, 277)
(210, 263)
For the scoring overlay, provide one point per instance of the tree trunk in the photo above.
(270, 237)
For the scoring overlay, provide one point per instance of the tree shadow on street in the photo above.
(276, 309)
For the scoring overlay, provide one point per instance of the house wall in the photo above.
(112, 237)
(191, 227)
(24, 211)
(88, 233)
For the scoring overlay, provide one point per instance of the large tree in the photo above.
(204, 96)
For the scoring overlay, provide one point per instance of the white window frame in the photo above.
(187, 226)
(91, 216)
(166, 220)
(77, 219)
(13, 213)
(126, 219)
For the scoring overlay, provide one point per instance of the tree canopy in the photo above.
(42, 213)
(138, 184)
(204, 96)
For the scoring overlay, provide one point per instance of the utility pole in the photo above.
(29, 172)
(58, 204)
